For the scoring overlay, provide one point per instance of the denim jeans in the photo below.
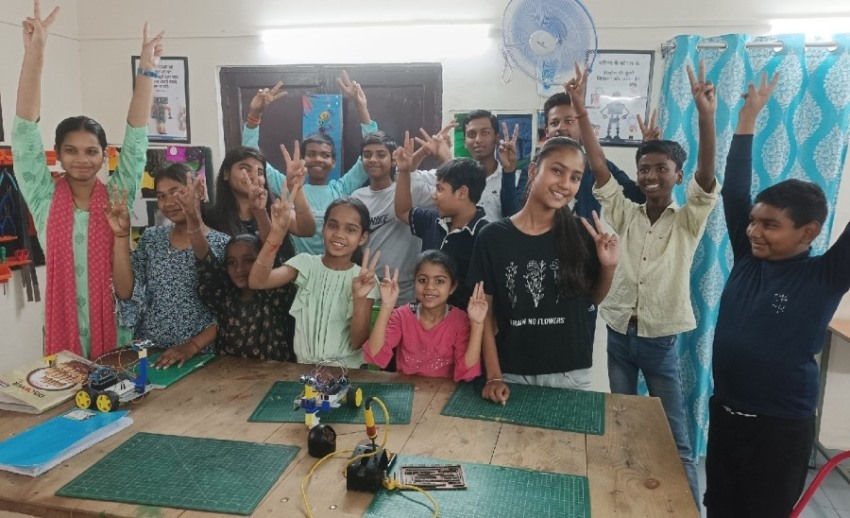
(659, 362)
(578, 379)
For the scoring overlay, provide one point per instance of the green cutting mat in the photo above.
(278, 405)
(185, 472)
(491, 491)
(170, 375)
(529, 405)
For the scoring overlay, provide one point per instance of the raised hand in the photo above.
(429, 144)
(151, 49)
(281, 213)
(389, 288)
(403, 155)
(117, 214)
(296, 168)
(577, 87)
(365, 280)
(703, 91)
(189, 198)
(756, 98)
(607, 245)
(650, 131)
(254, 185)
(477, 308)
(507, 148)
(264, 97)
(35, 27)
(351, 89)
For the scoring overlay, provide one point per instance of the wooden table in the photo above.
(634, 469)
(839, 327)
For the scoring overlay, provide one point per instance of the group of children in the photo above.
(284, 265)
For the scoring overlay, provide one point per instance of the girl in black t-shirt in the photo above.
(542, 271)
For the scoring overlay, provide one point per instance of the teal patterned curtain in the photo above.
(802, 133)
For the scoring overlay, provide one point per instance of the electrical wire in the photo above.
(392, 483)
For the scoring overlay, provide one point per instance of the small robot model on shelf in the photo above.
(107, 387)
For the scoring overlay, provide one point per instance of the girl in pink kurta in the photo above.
(432, 337)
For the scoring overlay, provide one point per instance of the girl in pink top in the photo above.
(433, 338)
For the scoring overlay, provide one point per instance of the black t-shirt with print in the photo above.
(540, 331)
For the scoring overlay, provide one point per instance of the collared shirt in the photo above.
(458, 244)
(652, 278)
(490, 198)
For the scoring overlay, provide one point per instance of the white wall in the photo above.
(214, 34)
(21, 322)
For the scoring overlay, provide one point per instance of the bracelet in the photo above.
(495, 379)
(194, 231)
(580, 115)
(264, 265)
(254, 120)
(146, 72)
(122, 235)
(273, 245)
(193, 342)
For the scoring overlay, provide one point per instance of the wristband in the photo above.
(194, 343)
(495, 379)
(253, 120)
(194, 231)
(122, 235)
(146, 72)
(273, 245)
(264, 265)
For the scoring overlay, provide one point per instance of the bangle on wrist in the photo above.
(121, 235)
(262, 264)
(254, 120)
(146, 72)
(196, 230)
(194, 344)
(273, 245)
(494, 380)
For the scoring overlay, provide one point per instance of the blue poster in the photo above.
(323, 114)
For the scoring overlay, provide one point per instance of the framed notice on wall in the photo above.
(618, 90)
(169, 120)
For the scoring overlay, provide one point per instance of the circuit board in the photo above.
(568, 410)
(491, 491)
(184, 472)
(277, 404)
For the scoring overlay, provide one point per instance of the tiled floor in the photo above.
(832, 499)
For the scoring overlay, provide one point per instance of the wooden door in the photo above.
(400, 97)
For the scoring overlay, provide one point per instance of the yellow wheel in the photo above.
(83, 399)
(107, 401)
(354, 398)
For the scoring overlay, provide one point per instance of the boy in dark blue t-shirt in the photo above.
(455, 223)
(774, 312)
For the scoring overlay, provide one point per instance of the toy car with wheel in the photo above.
(324, 392)
(107, 387)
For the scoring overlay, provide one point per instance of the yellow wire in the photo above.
(310, 475)
(391, 484)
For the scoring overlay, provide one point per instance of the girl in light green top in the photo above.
(69, 212)
(333, 306)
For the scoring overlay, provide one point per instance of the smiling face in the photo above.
(166, 189)
(480, 138)
(239, 260)
(244, 173)
(80, 155)
(657, 175)
(433, 285)
(774, 237)
(343, 231)
(319, 160)
(562, 122)
(556, 178)
(377, 160)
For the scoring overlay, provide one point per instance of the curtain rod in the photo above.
(758, 44)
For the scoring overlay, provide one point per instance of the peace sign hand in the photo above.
(607, 245)
(281, 213)
(258, 196)
(151, 49)
(703, 91)
(650, 131)
(756, 98)
(365, 280)
(190, 197)
(264, 97)
(477, 308)
(507, 148)
(296, 168)
(35, 28)
(117, 214)
(389, 288)
(403, 155)
(577, 87)
(351, 89)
